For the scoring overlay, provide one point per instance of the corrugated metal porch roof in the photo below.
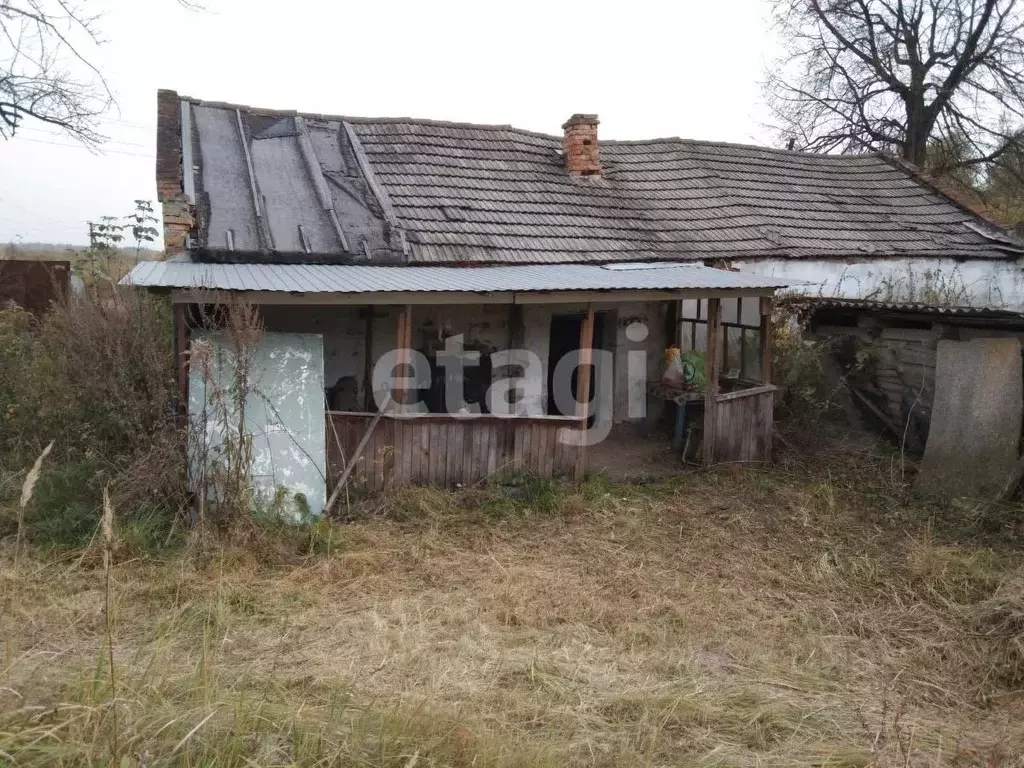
(338, 278)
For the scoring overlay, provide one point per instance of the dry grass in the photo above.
(813, 614)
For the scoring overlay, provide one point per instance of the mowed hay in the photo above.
(810, 614)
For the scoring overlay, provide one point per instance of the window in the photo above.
(741, 333)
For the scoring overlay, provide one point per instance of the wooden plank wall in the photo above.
(743, 425)
(447, 450)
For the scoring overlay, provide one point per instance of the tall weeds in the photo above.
(222, 444)
(94, 376)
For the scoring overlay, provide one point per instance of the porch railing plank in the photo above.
(743, 422)
(409, 449)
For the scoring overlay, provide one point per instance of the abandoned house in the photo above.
(357, 236)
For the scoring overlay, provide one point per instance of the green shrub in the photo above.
(65, 510)
(94, 374)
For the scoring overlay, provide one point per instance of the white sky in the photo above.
(687, 68)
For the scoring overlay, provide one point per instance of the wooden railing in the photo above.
(743, 425)
(448, 449)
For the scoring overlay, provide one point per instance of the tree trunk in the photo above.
(919, 127)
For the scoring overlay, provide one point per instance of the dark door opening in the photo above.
(565, 340)
(475, 381)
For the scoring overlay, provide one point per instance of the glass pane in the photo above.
(730, 310)
(750, 313)
(751, 355)
(700, 337)
(689, 308)
(702, 311)
(732, 360)
(686, 336)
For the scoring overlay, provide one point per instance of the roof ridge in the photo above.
(361, 119)
(452, 124)
(355, 119)
(740, 145)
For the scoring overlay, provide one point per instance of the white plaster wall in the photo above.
(487, 323)
(984, 282)
(537, 339)
(634, 388)
(343, 330)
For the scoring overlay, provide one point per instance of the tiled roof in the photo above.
(351, 278)
(470, 193)
(429, 192)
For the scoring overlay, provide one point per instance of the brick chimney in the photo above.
(177, 209)
(579, 146)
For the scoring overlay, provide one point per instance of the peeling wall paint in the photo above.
(284, 413)
(987, 283)
(343, 329)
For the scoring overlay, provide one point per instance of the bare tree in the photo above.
(1004, 185)
(45, 68)
(47, 71)
(894, 75)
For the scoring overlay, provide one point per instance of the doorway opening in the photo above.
(565, 340)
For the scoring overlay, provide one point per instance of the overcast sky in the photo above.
(686, 68)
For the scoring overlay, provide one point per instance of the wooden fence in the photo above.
(743, 425)
(448, 449)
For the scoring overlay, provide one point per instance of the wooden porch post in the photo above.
(181, 358)
(714, 365)
(368, 399)
(766, 340)
(404, 342)
(583, 387)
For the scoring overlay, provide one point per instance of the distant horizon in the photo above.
(5, 247)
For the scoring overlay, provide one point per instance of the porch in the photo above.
(389, 419)
(374, 451)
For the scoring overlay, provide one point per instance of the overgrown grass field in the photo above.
(813, 613)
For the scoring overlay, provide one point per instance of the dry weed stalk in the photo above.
(27, 489)
(108, 537)
(225, 469)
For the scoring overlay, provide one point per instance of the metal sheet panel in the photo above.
(225, 179)
(290, 197)
(336, 278)
(284, 414)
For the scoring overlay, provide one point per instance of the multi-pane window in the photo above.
(740, 338)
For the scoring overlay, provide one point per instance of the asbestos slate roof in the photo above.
(419, 191)
(344, 278)
(912, 308)
(470, 193)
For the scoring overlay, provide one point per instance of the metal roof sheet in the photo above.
(338, 278)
